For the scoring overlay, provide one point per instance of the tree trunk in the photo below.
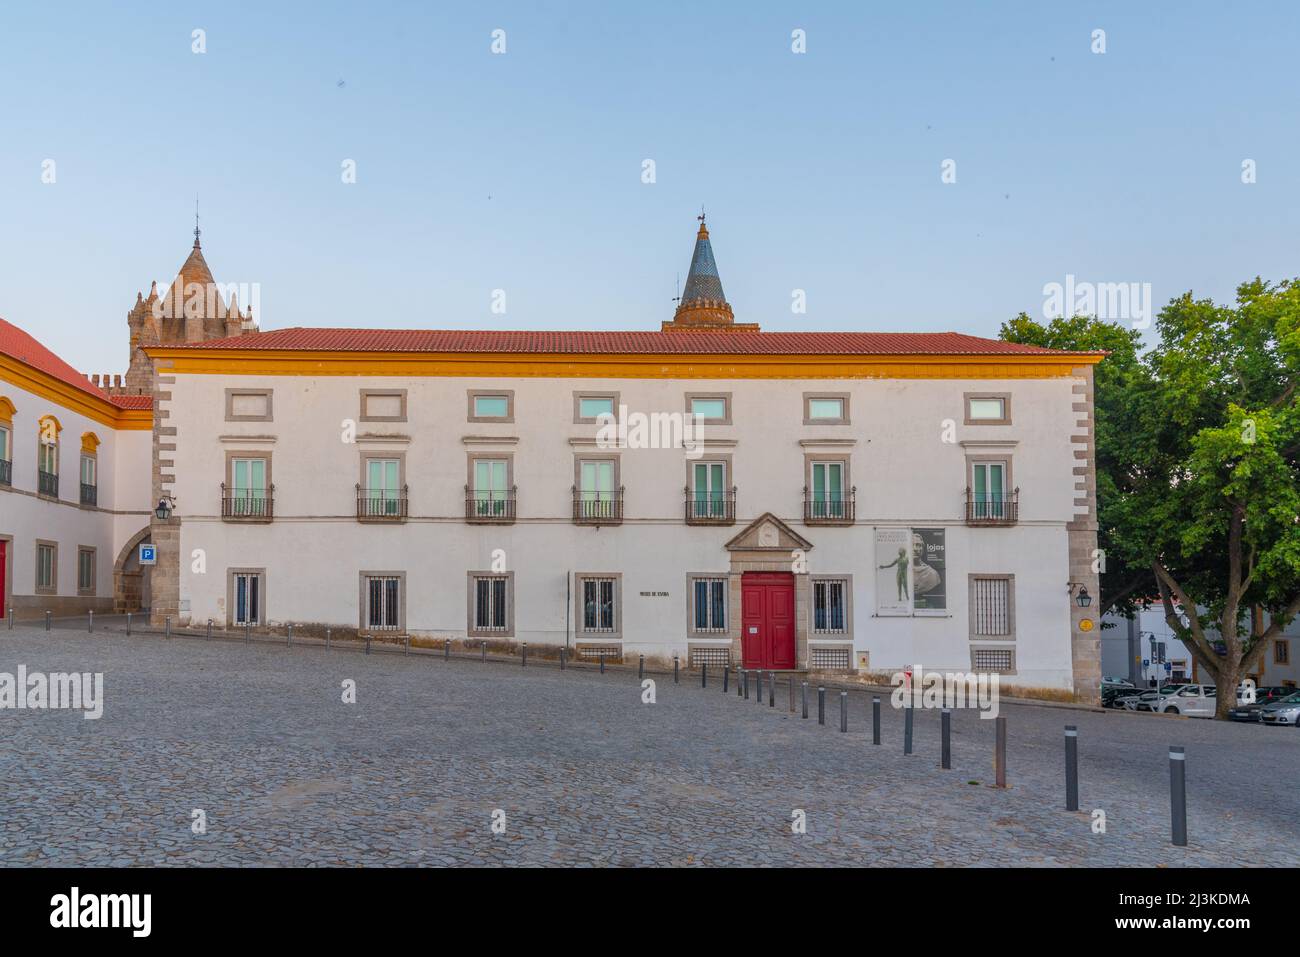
(1226, 682)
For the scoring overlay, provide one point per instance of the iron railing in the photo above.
(6, 472)
(703, 508)
(489, 506)
(253, 505)
(992, 510)
(597, 508)
(829, 509)
(89, 494)
(47, 483)
(381, 504)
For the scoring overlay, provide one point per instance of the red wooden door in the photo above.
(4, 598)
(767, 620)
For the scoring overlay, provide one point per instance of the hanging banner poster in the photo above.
(929, 571)
(893, 560)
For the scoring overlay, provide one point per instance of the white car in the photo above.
(1195, 701)
(1108, 681)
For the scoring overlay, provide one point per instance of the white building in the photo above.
(855, 501)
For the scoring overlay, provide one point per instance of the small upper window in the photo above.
(710, 407)
(826, 409)
(988, 409)
(591, 406)
(248, 405)
(491, 406)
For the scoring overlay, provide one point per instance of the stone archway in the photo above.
(131, 591)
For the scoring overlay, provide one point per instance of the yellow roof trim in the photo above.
(615, 366)
(56, 390)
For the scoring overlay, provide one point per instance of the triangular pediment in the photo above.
(767, 533)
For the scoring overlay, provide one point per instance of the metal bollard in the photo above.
(11, 619)
(128, 624)
(803, 691)
(167, 626)
(758, 696)
(945, 760)
(907, 730)
(1178, 794)
(675, 669)
(47, 620)
(771, 689)
(524, 657)
(482, 649)
(704, 675)
(740, 679)
(563, 655)
(875, 720)
(1000, 753)
(446, 649)
(726, 677)
(288, 638)
(844, 712)
(821, 704)
(602, 661)
(90, 623)
(209, 629)
(1071, 767)
(406, 650)
(327, 637)
(640, 668)
(248, 632)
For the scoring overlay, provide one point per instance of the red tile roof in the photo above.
(306, 339)
(17, 344)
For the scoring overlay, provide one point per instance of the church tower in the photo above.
(194, 309)
(703, 306)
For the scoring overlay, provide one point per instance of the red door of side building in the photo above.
(4, 598)
(767, 620)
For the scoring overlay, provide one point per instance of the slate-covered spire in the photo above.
(703, 304)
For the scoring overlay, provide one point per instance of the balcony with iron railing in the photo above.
(381, 504)
(704, 508)
(47, 483)
(992, 510)
(247, 505)
(490, 506)
(829, 509)
(89, 494)
(6, 472)
(597, 508)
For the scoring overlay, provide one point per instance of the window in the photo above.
(383, 405)
(825, 409)
(6, 455)
(85, 570)
(598, 605)
(992, 607)
(709, 606)
(382, 608)
(88, 470)
(1281, 652)
(487, 406)
(588, 406)
(713, 408)
(830, 603)
(827, 498)
(382, 494)
(248, 405)
(709, 490)
(491, 487)
(491, 605)
(47, 457)
(5, 452)
(89, 485)
(249, 483)
(988, 408)
(989, 499)
(990, 660)
(47, 568)
(246, 594)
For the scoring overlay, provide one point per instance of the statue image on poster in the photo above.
(929, 571)
(893, 572)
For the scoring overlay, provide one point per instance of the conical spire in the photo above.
(703, 304)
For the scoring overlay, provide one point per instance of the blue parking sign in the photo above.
(147, 555)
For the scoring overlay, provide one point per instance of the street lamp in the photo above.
(164, 509)
(1082, 598)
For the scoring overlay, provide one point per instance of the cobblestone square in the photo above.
(258, 738)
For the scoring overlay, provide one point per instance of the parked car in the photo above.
(1263, 696)
(1284, 711)
(1109, 681)
(1114, 697)
(1195, 701)
(1146, 700)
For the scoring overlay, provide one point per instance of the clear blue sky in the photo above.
(523, 171)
